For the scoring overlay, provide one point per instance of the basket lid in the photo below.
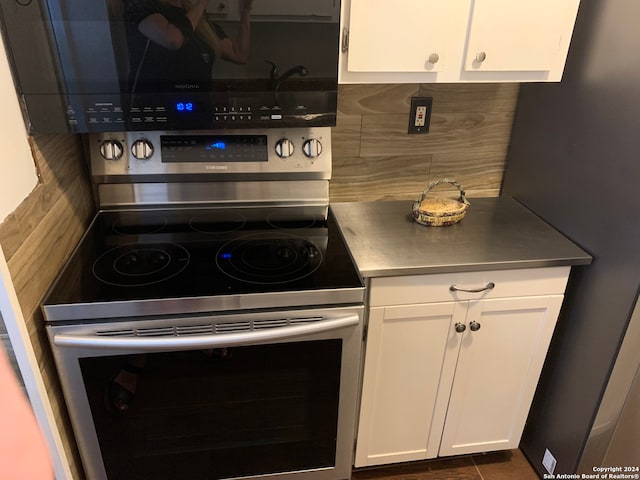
(441, 206)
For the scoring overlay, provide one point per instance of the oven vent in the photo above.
(209, 329)
(155, 332)
(195, 330)
(302, 320)
(116, 333)
(272, 323)
(230, 327)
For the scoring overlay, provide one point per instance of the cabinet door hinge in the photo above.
(345, 40)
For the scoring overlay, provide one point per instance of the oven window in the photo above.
(213, 414)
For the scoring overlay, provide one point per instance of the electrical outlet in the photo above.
(420, 114)
(549, 461)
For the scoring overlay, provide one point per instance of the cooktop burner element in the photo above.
(280, 220)
(138, 265)
(268, 258)
(221, 223)
(134, 224)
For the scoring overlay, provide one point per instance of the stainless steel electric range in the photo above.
(209, 323)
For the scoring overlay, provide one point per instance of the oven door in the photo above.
(269, 395)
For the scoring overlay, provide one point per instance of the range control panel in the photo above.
(305, 152)
(196, 111)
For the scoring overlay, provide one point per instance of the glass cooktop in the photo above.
(154, 262)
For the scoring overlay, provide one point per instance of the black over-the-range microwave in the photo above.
(114, 65)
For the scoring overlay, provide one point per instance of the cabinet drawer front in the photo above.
(410, 289)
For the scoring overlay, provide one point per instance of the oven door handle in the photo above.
(187, 342)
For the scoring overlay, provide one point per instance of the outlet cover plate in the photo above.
(420, 114)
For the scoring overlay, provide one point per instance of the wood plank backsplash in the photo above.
(375, 159)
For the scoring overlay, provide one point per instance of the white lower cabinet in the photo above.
(453, 372)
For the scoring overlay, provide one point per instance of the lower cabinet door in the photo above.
(405, 366)
(501, 356)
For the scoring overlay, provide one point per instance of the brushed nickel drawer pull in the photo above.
(489, 286)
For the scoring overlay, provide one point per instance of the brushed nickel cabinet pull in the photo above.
(489, 286)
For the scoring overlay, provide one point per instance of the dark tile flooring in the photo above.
(506, 465)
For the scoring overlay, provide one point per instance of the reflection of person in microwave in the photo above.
(172, 46)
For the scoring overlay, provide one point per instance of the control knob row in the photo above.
(112, 149)
(311, 148)
(143, 149)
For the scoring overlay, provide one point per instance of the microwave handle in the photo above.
(187, 342)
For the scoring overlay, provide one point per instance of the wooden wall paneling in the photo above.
(376, 99)
(345, 137)
(41, 256)
(480, 178)
(379, 178)
(449, 133)
(471, 97)
(468, 140)
(11, 233)
(59, 162)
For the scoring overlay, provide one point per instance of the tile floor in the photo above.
(507, 465)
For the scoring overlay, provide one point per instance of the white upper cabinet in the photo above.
(455, 40)
(378, 43)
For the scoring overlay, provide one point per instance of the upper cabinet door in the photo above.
(519, 36)
(401, 36)
(417, 41)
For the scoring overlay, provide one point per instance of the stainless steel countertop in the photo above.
(496, 234)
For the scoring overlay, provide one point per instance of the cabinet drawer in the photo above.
(410, 289)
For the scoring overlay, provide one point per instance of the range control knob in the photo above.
(142, 149)
(111, 150)
(284, 148)
(312, 148)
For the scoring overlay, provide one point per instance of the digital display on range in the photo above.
(213, 148)
(185, 107)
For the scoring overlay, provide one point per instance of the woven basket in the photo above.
(438, 211)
